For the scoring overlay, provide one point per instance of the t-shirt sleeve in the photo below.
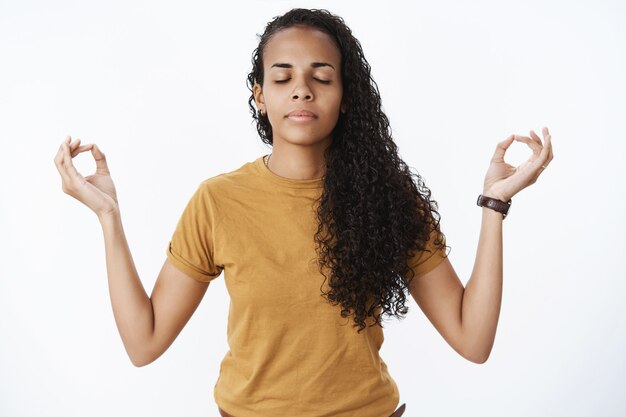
(427, 260)
(191, 248)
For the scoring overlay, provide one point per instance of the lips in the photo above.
(301, 113)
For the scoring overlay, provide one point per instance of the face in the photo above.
(301, 72)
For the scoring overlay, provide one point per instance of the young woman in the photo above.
(317, 240)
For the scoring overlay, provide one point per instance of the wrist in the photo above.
(109, 216)
(495, 203)
(496, 194)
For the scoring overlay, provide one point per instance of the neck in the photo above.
(297, 162)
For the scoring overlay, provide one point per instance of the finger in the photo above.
(546, 153)
(81, 149)
(501, 147)
(549, 145)
(58, 163)
(68, 166)
(547, 138)
(530, 142)
(101, 162)
(66, 169)
(74, 144)
(550, 152)
(535, 137)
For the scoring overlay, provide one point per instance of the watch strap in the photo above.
(494, 204)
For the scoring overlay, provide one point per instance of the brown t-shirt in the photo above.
(291, 352)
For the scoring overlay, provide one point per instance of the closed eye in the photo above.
(317, 79)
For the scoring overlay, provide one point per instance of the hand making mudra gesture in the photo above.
(96, 191)
(502, 180)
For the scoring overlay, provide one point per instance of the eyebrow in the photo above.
(313, 65)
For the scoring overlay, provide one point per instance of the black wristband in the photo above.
(494, 204)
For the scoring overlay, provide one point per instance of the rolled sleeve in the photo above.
(191, 247)
(427, 260)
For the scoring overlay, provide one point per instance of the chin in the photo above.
(303, 136)
(303, 140)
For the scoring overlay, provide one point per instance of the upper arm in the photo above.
(439, 294)
(174, 298)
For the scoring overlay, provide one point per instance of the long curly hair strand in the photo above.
(374, 213)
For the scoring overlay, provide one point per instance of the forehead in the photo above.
(301, 45)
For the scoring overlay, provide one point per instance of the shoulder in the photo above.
(229, 181)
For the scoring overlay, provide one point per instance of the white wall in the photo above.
(160, 87)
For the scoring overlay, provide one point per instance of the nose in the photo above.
(306, 97)
(302, 90)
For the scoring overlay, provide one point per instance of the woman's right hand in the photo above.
(96, 191)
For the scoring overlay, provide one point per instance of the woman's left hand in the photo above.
(503, 181)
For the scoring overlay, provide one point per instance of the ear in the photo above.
(257, 91)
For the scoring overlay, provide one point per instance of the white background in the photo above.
(160, 87)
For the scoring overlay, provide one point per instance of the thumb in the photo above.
(501, 147)
(101, 162)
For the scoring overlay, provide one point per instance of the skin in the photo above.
(298, 146)
(466, 317)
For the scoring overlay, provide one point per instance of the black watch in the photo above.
(494, 204)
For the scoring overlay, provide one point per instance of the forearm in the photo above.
(482, 297)
(132, 308)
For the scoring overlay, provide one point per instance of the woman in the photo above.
(317, 240)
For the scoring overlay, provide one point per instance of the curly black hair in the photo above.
(373, 216)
